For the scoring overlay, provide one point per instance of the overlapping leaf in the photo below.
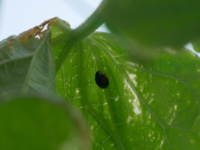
(38, 123)
(148, 105)
(153, 23)
(26, 67)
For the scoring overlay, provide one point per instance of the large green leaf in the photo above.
(150, 104)
(31, 123)
(26, 67)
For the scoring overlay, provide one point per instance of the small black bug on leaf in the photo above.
(101, 80)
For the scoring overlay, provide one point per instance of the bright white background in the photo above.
(20, 15)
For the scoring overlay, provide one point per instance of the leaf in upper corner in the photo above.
(32, 123)
(154, 23)
(26, 67)
(150, 104)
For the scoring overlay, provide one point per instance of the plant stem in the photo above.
(81, 32)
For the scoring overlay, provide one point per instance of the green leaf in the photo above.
(196, 46)
(60, 31)
(39, 123)
(154, 23)
(26, 67)
(150, 104)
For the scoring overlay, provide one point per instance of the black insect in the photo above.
(101, 80)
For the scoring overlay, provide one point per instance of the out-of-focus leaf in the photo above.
(149, 104)
(196, 46)
(26, 67)
(154, 23)
(40, 124)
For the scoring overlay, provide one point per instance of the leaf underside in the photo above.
(26, 67)
(150, 104)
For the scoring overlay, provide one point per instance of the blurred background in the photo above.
(21, 15)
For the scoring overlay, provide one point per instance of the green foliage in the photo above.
(150, 104)
(153, 22)
(26, 67)
(152, 101)
(39, 120)
(36, 123)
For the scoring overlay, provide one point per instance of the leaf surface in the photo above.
(38, 123)
(26, 67)
(150, 104)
